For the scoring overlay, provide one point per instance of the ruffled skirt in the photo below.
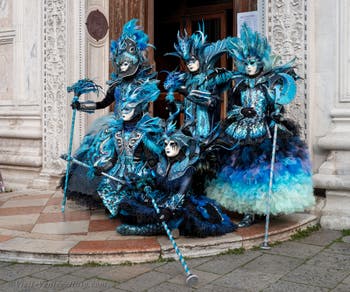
(243, 184)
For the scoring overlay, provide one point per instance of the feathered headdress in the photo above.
(197, 45)
(133, 32)
(141, 96)
(251, 46)
(188, 46)
(172, 133)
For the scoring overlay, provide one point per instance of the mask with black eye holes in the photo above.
(193, 64)
(251, 66)
(128, 59)
(171, 148)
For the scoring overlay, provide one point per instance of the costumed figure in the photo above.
(131, 72)
(191, 214)
(131, 67)
(128, 148)
(201, 85)
(261, 89)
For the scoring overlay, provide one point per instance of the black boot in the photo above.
(247, 220)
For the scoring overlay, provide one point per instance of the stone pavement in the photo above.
(320, 262)
(33, 229)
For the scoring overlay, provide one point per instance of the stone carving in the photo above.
(286, 21)
(54, 85)
(4, 8)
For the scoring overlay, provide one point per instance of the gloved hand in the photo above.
(216, 72)
(248, 112)
(75, 105)
(277, 116)
(171, 107)
(165, 214)
(99, 169)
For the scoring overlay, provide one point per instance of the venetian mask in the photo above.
(128, 113)
(124, 66)
(193, 64)
(172, 148)
(251, 67)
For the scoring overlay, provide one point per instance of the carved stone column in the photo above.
(285, 24)
(54, 99)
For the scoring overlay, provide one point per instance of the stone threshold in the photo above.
(24, 247)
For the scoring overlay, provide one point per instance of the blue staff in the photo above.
(282, 97)
(80, 87)
(191, 278)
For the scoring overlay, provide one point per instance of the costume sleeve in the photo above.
(108, 100)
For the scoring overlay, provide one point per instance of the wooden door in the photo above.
(170, 17)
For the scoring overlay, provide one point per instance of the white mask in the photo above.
(251, 69)
(172, 149)
(193, 65)
(124, 66)
(127, 114)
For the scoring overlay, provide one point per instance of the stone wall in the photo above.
(20, 92)
(331, 109)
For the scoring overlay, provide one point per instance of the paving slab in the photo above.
(92, 285)
(243, 279)
(317, 276)
(295, 249)
(293, 287)
(124, 273)
(5, 238)
(204, 278)
(15, 220)
(273, 264)
(26, 284)
(144, 281)
(347, 281)
(16, 271)
(70, 227)
(88, 272)
(341, 288)
(198, 247)
(24, 203)
(227, 263)
(339, 247)
(321, 237)
(35, 250)
(331, 260)
(64, 217)
(114, 290)
(171, 268)
(170, 287)
(211, 288)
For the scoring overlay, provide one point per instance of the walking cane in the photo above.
(265, 244)
(80, 87)
(282, 97)
(191, 278)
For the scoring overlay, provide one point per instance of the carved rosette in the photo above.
(286, 29)
(54, 85)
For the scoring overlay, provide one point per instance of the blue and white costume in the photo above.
(131, 82)
(242, 184)
(202, 85)
(192, 214)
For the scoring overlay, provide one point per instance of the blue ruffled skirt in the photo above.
(243, 184)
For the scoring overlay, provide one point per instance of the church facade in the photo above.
(47, 45)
